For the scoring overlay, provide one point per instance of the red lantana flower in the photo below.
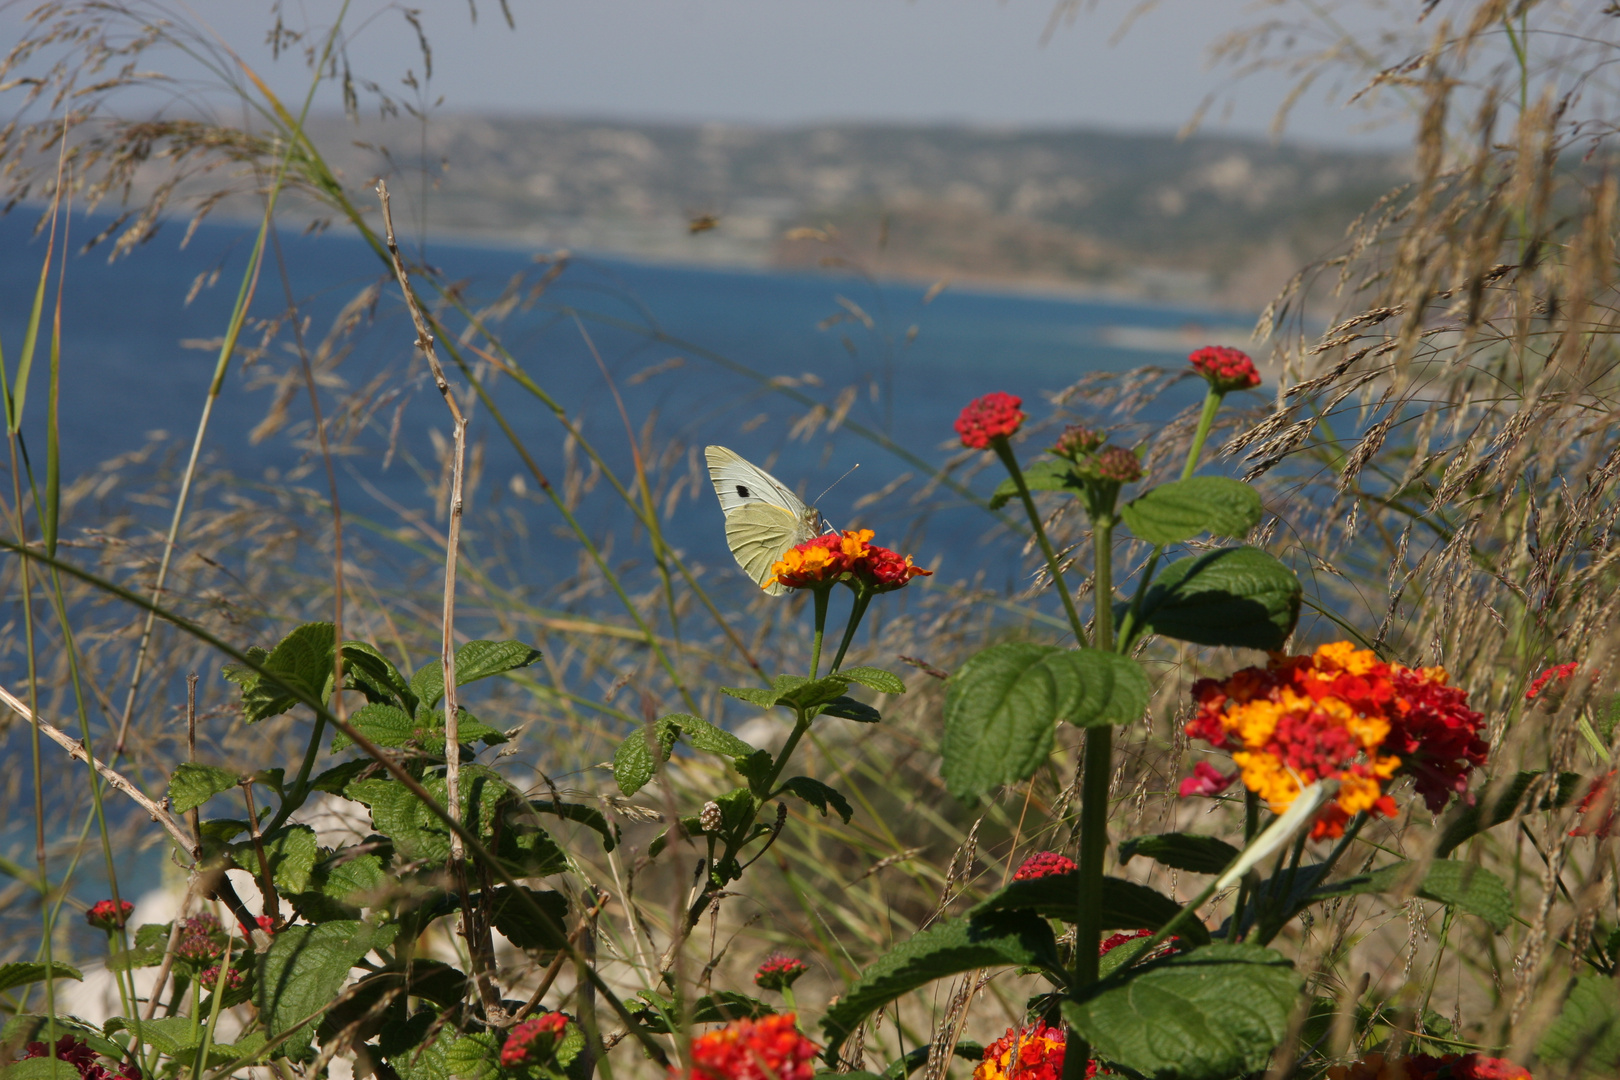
(263, 922)
(109, 915)
(1342, 714)
(767, 1049)
(1206, 780)
(1599, 802)
(1108, 944)
(986, 419)
(1044, 864)
(534, 1039)
(1557, 675)
(1429, 1067)
(779, 972)
(75, 1054)
(1225, 369)
(848, 557)
(1036, 1053)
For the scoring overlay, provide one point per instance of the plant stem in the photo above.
(863, 597)
(1251, 825)
(1212, 405)
(821, 594)
(1005, 453)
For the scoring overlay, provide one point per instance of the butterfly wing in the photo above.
(739, 483)
(759, 534)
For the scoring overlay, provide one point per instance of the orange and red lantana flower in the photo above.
(848, 557)
(1035, 1053)
(767, 1049)
(1342, 714)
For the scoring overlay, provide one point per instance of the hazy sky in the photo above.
(776, 61)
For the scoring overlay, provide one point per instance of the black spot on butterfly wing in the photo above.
(742, 492)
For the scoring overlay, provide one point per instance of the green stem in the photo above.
(1251, 825)
(822, 594)
(1206, 420)
(863, 597)
(1212, 405)
(1095, 776)
(1005, 453)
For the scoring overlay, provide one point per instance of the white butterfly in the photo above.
(763, 518)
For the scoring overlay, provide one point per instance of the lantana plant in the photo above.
(1316, 742)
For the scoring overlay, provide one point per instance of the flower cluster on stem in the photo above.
(850, 557)
(109, 915)
(1342, 714)
(770, 1048)
(1430, 1067)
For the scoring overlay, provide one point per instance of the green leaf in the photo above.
(474, 660)
(1125, 904)
(304, 969)
(1050, 475)
(819, 795)
(848, 708)
(1181, 851)
(473, 1056)
(1585, 1036)
(756, 768)
(291, 852)
(634, 763)
(300, 666)
(364, 1004)
(884, 682)
(585, 815)
(1002, 705)
(416, 831)
(192, 785)
(525, 845)
(1183, 509)
(334, 780)
(1458, 884)
(702, 735)
(525, 929)
(366, 669)
(1210, 1014)
(1004, 939)
(654, 1010)
(1238, 597)
(392, 727)
(24, 972)
(342, 884)
(793, 692)
(1501, 803)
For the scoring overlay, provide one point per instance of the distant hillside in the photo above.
(1207, 219)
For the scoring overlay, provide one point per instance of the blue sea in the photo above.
(691, 351)
(137, 358)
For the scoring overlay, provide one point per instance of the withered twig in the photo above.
(447, 654)
(75, 748)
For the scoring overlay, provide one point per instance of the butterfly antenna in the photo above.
(838, 481)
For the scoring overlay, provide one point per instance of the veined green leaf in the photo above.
(1004, 939)
(1002, 705)
(1183, 509)
(1239, 597)
(192, 785)
(1211, 1014)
